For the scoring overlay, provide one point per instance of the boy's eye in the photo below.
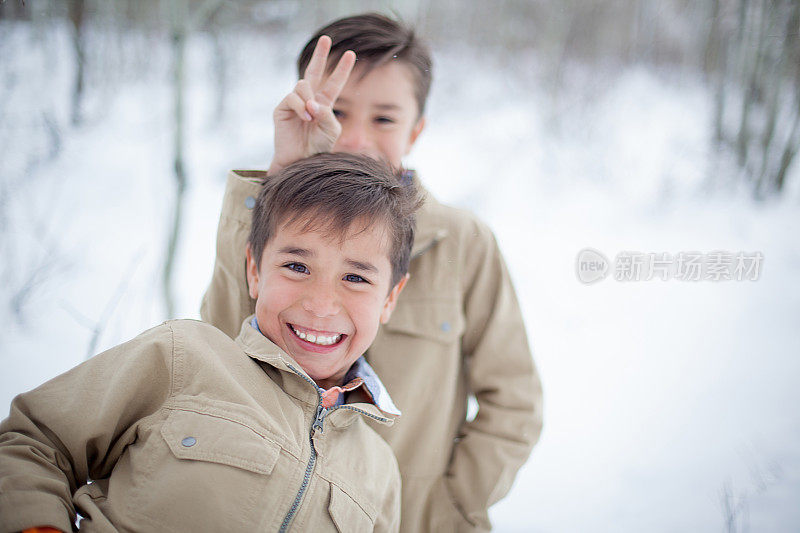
(355, 278)
(337, 113)
(297, 267)
(384, 120)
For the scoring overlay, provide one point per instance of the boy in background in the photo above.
(185, 429)
(458, 330)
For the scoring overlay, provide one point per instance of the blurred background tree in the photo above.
(747, 51)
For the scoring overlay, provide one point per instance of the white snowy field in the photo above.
(660, 396)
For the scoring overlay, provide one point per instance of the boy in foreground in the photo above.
(184, 429)
(457, 330)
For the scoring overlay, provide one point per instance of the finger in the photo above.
(319, 59)
(328, 124)
(304, 90)
(306, 93)
(337, 80)
(292, 104)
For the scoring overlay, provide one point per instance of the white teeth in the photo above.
(322, 340)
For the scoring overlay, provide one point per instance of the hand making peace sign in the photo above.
(304, 120)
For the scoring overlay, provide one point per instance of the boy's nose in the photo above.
(321, 301)
(354, 138)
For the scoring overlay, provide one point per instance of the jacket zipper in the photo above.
(357, 410)
(319, 418)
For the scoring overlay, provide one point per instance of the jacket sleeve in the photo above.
(227, 302)
(75, 427)
(502, 376)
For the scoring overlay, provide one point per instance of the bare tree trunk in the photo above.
(77, 11)
(183, 23)
(789, 151)
(772, 84)
(645, 49)
(716, 66)
(220, 76)
(713, 52)
(179, 15)
(752, 66)
(791, 53)
(768, 134)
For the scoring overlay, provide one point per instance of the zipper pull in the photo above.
(321, 412)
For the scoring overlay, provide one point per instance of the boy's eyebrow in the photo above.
(384, 107)
(364, 266)
(292, 250)
(361, 265)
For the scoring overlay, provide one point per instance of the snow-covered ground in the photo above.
(661, 396)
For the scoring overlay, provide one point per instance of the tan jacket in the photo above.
(183, 429)
(457, 330)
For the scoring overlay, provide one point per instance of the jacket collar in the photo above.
(260, 348)
(429, 230)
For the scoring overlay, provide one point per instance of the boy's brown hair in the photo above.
(376, 39)
(334, 191)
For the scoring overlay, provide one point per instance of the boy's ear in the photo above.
(415, 131)
(252, 273)
(391, 300)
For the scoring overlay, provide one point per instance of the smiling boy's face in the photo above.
(378, 113)
(321, 299)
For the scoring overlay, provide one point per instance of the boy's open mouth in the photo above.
(316, 337)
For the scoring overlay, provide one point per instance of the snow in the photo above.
(659, 394)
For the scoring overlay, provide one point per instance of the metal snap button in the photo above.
(445, 326)
(249, 202)
(189, 442)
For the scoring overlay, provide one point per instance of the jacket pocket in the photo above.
(434, 319)
(347, 514)
(203, 437)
